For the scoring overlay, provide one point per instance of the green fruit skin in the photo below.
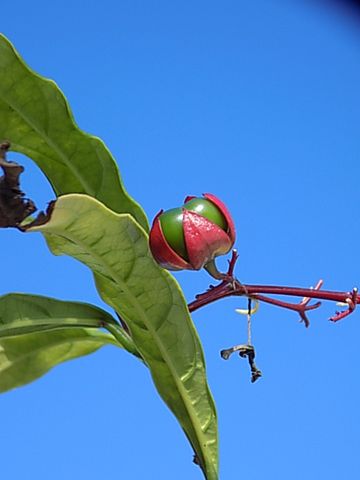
(171, 223)
(207, 209)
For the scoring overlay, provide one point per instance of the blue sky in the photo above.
(258, 103)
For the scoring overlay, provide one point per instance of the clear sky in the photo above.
(258, 103)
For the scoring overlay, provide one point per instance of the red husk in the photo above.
(224, 210)
(161, 250)
(204, 239)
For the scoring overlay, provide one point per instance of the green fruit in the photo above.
(207, 209)
(171, 223)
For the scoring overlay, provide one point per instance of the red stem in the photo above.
(299, 292)
(235, 288)
(230, 286)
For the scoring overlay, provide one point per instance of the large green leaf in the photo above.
(24, 358)
(23, 313)
(150, 301)
(37, 120)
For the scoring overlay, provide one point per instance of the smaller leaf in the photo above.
(25, 358)
(37, 333)
(22, 313)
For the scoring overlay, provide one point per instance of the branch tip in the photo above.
(351, 300)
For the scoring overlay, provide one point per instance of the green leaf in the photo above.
(150, 301)
(23, 313)
(37, 120)
(37, 333)
(24, 358)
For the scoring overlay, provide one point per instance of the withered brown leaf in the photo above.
(14, 207)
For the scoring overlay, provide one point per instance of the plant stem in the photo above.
(232, 287)
(122, 338)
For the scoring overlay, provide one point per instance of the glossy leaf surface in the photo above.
(34, 330)
(36, 119)
(23, 313)
(150, 301)
(24, 358)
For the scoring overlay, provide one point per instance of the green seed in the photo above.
(207, 209)
(171, 223)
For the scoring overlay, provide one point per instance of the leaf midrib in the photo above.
(143, 315)
(27, 327)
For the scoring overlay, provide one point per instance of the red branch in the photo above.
(230, 286)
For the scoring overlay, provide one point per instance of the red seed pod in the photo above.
(189, 237)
